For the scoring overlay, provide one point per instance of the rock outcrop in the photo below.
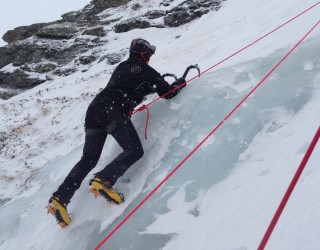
(37, 52)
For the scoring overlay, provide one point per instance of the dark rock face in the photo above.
(39, 68)
(19, 79)
(30, 56)
(178, 18)
(96, 31)
(21, 53)
(155, 14)
(44, 68)
(5, 95)
(6, 56)
(166, 2)
(58, 31)
(135, 23)
(72, 16)
(64, 71)
(61, 52)
(39, 51)
(113, 58)
(86, 16)
(23, 32)
(84, 60)
(106, 4)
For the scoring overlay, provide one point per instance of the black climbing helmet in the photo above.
(142, 46)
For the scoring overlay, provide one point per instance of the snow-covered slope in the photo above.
(225, 195)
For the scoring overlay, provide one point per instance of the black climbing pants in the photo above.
(127, 137)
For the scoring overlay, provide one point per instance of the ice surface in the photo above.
(225, 195)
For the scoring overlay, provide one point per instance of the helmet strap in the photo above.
(145, 59)
(142, 54)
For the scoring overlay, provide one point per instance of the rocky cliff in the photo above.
(39, 52)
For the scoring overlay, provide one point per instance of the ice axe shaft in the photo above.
(171, 75)
(188, 69)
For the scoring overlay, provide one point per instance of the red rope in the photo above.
(199, 145)
(289, 191)
(227, 58)
(143, 107)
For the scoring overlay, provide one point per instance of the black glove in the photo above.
(179, 82)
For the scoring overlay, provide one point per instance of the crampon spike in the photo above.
(95, 193)
(52, 211)
(62, 224)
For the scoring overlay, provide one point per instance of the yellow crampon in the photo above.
(59, 211)
(100, 188)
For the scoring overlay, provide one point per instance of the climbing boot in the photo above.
(99, 187)
(59, 211)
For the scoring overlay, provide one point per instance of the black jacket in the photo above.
(131, 81)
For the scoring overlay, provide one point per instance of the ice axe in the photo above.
(185, 72)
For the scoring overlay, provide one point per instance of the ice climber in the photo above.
(110, 113)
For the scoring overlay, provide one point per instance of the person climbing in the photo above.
(110, 113)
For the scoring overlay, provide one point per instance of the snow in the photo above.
(225, 195)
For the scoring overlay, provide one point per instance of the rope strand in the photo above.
(232, 55)
(144, 107)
